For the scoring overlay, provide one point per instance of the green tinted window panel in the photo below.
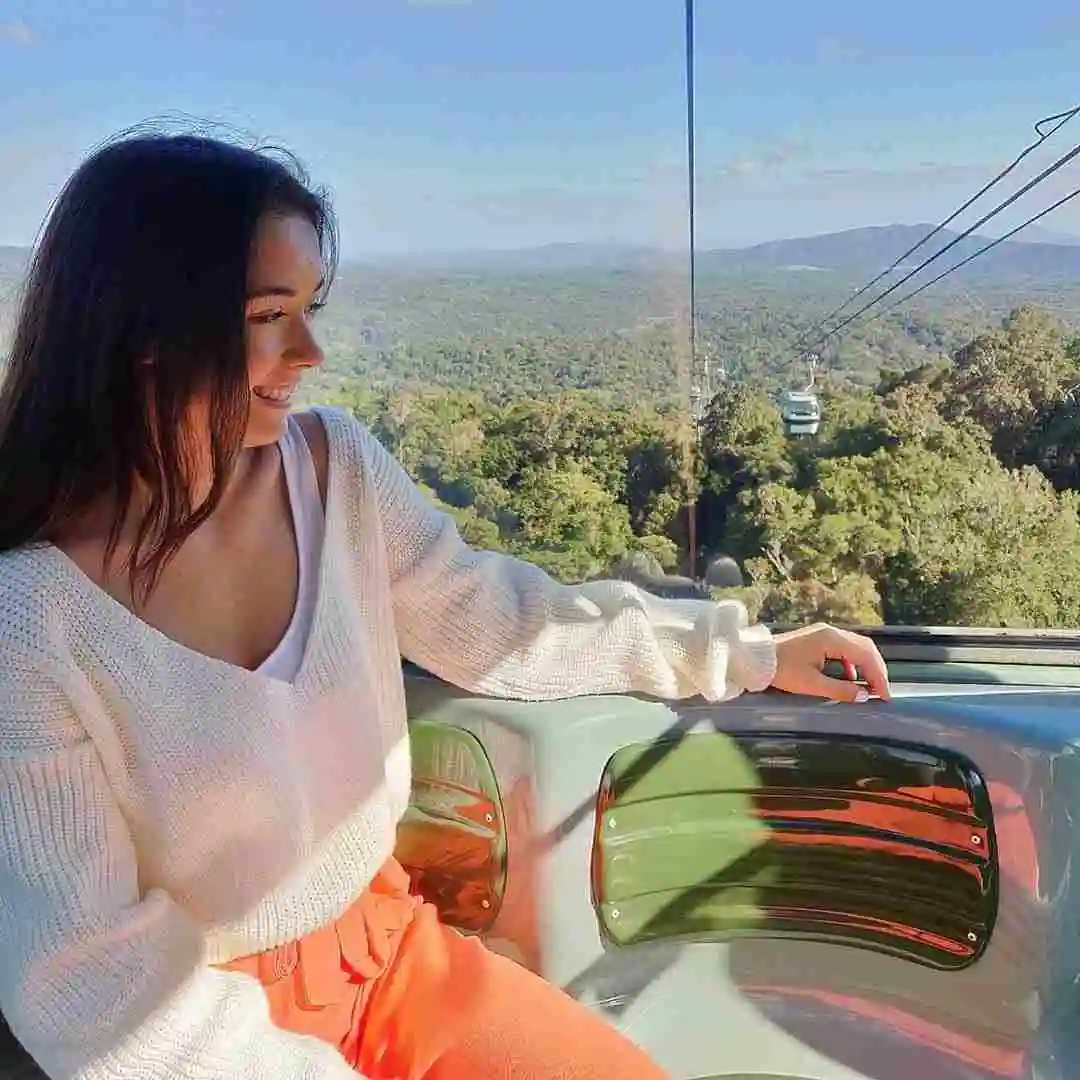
(452, 839)
(866, 842)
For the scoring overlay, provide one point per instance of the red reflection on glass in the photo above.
(451, 846)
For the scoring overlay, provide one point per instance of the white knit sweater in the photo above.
(161, 811)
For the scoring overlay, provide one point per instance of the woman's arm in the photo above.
(496, 625)
(100, 980)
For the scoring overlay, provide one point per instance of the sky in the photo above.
(455, 124)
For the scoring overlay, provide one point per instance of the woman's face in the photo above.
(284, 278)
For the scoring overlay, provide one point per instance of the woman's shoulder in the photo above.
(347, 445)
(32, 600)
(336, 428)
(38, 671)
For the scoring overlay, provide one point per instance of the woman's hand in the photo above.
(802, 654)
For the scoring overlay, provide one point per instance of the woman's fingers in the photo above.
(802, 654)
(815, 683)
(860, 652)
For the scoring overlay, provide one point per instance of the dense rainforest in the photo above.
(942, 492)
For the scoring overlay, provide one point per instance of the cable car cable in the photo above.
(1059, 120)
(696, 390)
(982, 251)
(1049, 170)
(691, 184)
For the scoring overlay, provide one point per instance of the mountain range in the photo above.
(1041, 254)
(1046, 257)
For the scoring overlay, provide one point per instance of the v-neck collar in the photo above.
(129, 623)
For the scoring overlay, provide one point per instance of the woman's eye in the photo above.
(264, 318)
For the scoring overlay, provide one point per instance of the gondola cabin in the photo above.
(800, 412)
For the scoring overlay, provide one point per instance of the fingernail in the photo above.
(862, 696)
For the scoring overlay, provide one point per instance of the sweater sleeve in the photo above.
(495, 625)
(99, 979)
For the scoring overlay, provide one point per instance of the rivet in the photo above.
(615, 912)
(611, 823)
(485, 903)
(972, 936)
(489, 818)
(976, 839)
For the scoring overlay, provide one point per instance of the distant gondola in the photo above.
(800, 410)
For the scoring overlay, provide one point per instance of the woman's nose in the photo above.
(305, 349)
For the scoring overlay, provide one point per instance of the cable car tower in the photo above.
(704, 376)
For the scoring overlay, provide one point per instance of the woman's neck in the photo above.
(92, 529)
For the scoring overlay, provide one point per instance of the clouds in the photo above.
(817, 196)
(929, 175)
(841, 50)
(742, 167)
(793, 169)
(766, 160)
(16, 33)
(926, 172)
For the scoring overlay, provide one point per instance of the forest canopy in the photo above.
(946, 493)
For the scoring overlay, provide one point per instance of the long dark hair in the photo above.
(134, 304)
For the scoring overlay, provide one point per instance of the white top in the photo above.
(305, 503)
(162, 811)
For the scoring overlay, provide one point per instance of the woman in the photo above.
(203, 749)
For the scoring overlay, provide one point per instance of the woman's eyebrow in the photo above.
(277, 290)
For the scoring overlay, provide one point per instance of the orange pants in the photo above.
(405, 998)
